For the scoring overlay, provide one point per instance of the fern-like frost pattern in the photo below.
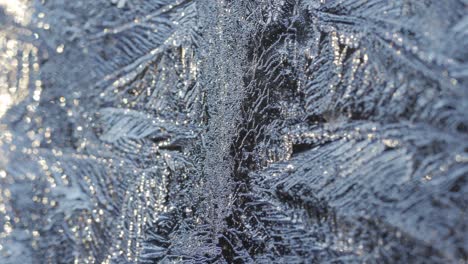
(197, 131)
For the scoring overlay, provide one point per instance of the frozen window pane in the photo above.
(196, 131)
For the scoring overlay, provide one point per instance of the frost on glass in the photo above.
(196, 131)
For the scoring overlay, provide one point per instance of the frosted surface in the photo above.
(198, 131)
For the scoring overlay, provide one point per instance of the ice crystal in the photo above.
(196, 131)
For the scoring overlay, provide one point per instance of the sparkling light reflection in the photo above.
(18, 9)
